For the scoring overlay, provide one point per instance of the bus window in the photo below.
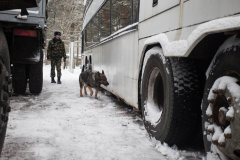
(83, 42)
(89, 35)
(121, 14)
(95, 29)
(104, 20)
(135, 11)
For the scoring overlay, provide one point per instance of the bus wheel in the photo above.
(221, 102)
(19, 78)
(5, 83)
(170, 98)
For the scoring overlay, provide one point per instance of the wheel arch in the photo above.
(205, 47)
(146, 48)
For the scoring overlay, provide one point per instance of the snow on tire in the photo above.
(170, 98)
(221, 102)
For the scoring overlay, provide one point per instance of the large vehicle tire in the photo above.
(19, 78)
(5, 83)
(170, 99)
(221, 106)
(36, 78)
(36, 75)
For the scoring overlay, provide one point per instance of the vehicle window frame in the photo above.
(98, 11)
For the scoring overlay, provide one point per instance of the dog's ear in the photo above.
(102, 72)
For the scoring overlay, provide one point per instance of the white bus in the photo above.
(178, 61)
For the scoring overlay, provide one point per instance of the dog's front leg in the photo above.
(91, 91)
(96, 92)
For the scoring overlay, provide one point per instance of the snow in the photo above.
(206, 124)
(209, 110)
(218, 24)
(167, 151)
(172, 153)
(35, 59)
(228, 130)
(223, 109)
(212, 156)
(167, 71)
(221, 138)
(168, 47)
(210, 128)
(230, 112)
(180, 47)
(216, 154)
(58, 124)
(230, 43)
(209, 137)
(19, 16)
(152, 113)
(224, 83)
(29, 11)
(217, 132)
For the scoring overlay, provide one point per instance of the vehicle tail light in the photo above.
(23, 32)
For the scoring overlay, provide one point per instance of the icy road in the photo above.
(59, 125)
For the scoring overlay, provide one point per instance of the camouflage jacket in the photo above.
(56, 49)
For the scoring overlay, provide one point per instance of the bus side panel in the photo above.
(182, 16)
(199, 11)
(147, 10)
(161, 23)
(118, 59)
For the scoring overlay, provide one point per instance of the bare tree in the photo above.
(69, 16)
(68, 20)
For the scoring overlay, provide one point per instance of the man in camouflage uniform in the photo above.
(55, 52)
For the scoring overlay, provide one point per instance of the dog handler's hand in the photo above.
(48, 59)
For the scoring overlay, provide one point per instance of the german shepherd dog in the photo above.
(91, 80)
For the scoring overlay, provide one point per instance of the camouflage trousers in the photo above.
(57, 64)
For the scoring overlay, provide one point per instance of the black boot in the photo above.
(59, 81)
(53, 81)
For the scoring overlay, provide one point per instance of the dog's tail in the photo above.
(83, 68)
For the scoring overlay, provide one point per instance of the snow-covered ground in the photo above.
(59, 125)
